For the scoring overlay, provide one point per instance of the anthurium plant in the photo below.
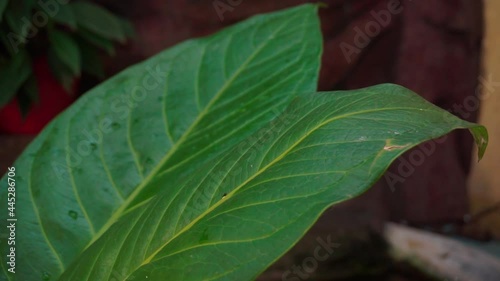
(71, 34)
(207, 161)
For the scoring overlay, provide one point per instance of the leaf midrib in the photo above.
(179, 142)
(277, 159)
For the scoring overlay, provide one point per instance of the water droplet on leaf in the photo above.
(73, 214)
(115, 125)
(46, 276)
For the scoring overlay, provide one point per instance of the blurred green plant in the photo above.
(72, 35)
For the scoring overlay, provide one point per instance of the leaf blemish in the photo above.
(389, 147)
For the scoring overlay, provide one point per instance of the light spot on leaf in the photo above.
(46, 276)
(389, 146)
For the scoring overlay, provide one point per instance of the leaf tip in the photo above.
(480, 135)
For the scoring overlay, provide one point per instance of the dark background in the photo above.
(432, 47)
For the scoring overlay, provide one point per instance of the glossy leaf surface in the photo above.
(152, 124)
(235, 216)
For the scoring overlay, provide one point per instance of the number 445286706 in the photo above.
(11, 192)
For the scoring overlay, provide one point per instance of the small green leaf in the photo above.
(13, 74)
(98, 20)
(127, 27)
(20, 28)
(60, 70)
(29, 4)
(24, 104)
(11, 41)
(66, 16)
(31, 89)
(28, 95)
(97, 41)
(66, 49)
(19, 18)
(3, 5)
(92, 61)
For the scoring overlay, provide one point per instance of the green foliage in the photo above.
(3, 5)
(66, 17)
(13, 73)
(68, 33)
(66, 50)
(98, 21)
(209, 160)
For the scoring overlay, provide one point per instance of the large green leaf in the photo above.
(156, 121)
(235, 216)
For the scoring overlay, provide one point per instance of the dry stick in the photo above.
(441, 256)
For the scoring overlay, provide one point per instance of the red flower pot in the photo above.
(53, 99)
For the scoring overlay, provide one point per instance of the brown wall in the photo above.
(484, 187)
